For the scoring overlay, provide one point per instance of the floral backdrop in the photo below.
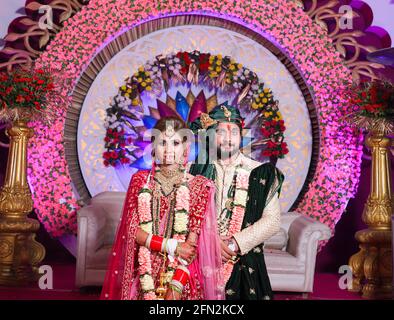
(282, 21)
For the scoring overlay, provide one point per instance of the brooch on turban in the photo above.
(207, 121)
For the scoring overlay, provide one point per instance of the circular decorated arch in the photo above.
(335, 176)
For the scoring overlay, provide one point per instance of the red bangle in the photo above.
(181, 275)
(156, 243)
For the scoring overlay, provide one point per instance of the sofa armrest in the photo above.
(304, 235)
(93, 220)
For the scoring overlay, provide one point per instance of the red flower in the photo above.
(125, 160)
(186, 58)
(184, 70)
(373, 95)
(271, 144)
(20, 99)
(265, 132)
(267, 153)
(204, 66)
(107, 155)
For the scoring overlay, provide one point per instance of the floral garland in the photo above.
(305, 42)
(238, 212)
(181, 223)
(212, 71)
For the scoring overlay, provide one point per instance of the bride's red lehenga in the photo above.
(122, 277)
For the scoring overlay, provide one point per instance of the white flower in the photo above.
(147, 227)
(176, 59)
(240, 197)
(155, 69)
(147, 282)
(62, 200)
(181, 221)
(171, 67)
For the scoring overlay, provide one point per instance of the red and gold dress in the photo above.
(122, 277)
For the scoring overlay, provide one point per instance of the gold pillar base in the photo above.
(20, 253)
(372, 265)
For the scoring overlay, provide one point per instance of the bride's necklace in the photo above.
(168, 179)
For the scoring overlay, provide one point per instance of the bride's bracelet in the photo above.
(174, 288)
(165, 245)
(180, 278)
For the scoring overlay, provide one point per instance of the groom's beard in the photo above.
(227, 151)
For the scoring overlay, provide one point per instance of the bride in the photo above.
(166, 245)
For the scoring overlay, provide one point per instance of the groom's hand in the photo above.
(227, 253)
(186, 251)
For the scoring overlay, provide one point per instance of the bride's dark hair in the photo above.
(163, 123)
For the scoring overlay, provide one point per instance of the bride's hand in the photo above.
(192, 239)
(172, 295)
(186, 251)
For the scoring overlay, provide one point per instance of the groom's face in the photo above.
(228, 139)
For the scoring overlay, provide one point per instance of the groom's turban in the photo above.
(221, 113)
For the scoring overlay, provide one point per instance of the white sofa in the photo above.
(290, 255)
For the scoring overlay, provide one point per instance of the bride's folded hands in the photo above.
(184, 250)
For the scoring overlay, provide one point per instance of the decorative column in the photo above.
(372, 265)
(20, 253)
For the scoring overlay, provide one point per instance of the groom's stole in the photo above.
(249, 279)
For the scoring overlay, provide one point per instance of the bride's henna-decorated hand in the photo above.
(186, 251)
(192, 239)
(172, 295)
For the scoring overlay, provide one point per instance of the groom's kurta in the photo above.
(264, 228)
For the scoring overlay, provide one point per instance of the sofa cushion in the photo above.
(112, 203)
(282, 262)
(100, 258)
(278, 241)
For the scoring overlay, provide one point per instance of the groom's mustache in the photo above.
(227, 144)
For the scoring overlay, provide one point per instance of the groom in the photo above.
(258, 210)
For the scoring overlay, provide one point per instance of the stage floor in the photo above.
(326, 288)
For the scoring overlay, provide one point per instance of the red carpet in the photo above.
(326, 287)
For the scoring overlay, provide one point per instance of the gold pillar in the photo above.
(372, 265)
(20, 253)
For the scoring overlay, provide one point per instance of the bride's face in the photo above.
(169, 149)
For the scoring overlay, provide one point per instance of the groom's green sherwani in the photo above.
(249, 279)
